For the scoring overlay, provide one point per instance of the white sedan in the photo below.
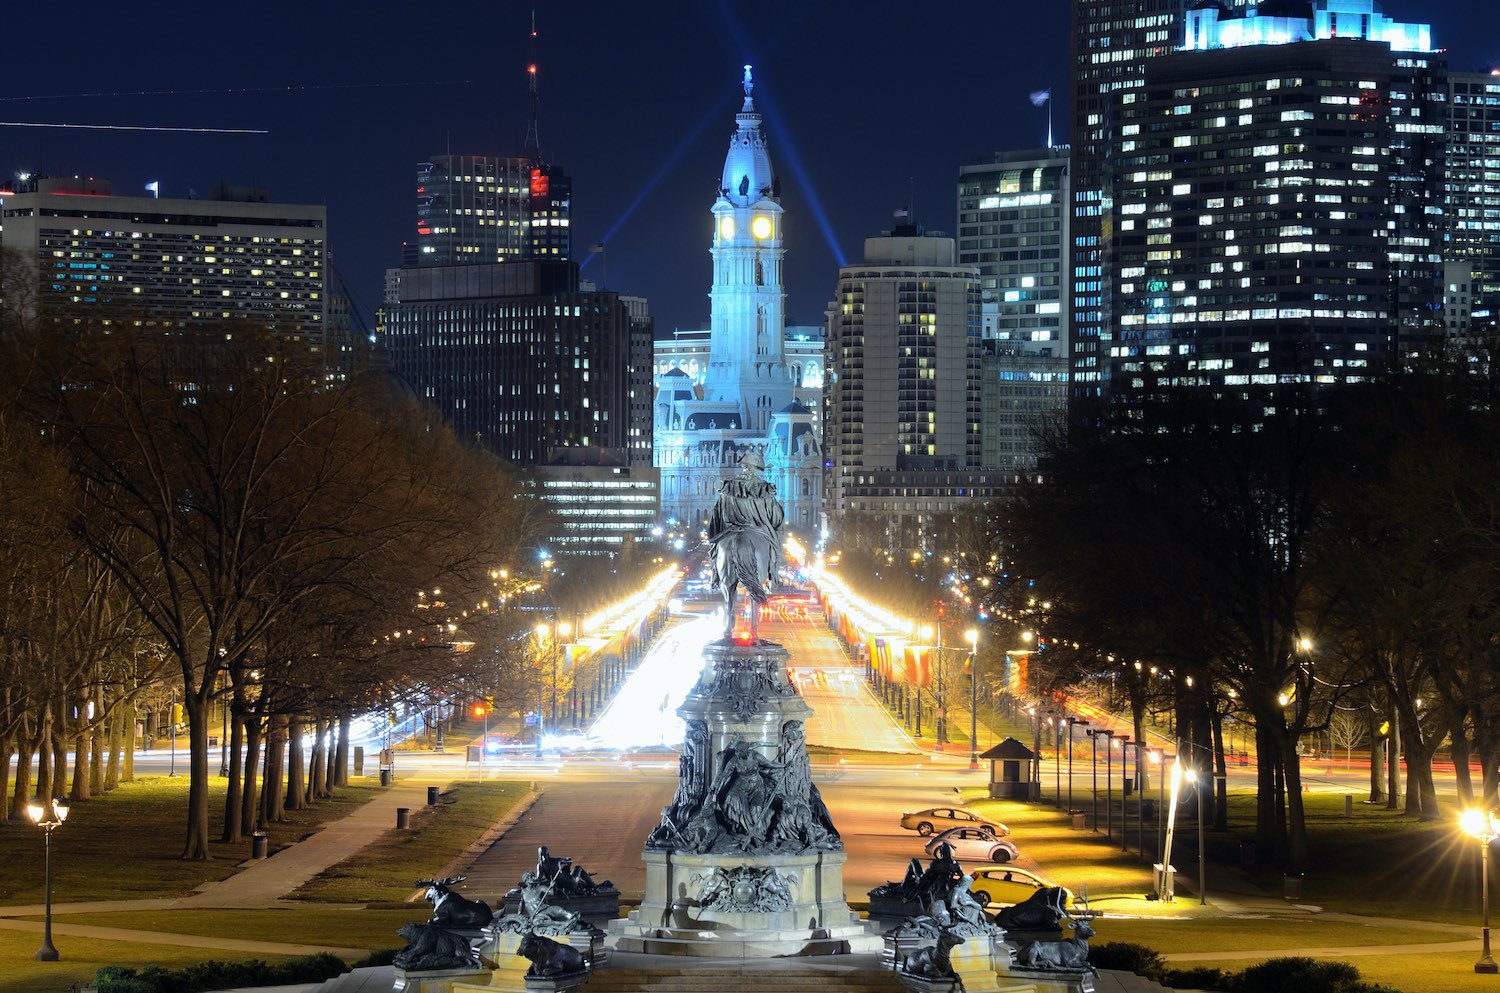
(973, 844)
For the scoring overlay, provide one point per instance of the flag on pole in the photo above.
(901, 213)
(1041, 96)
(154, 187)
(597, 249)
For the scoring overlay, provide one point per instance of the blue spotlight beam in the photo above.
(786, 148)
(673, 157)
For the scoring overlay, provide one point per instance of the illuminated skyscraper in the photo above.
(475, 209)
(1276, 213)
(903, 411)
(172, 264)
(746, 401)
(1258, 197)
(1112, 39)
(1472, 205)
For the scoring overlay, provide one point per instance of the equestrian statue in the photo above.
(744, 538)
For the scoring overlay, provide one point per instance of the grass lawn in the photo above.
(127, 843)
(1376, 863)
(333, 927)
(383, 873)
(83, 957)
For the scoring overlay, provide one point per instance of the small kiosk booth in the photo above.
(1014, 763)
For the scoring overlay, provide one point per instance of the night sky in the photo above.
(868, 105)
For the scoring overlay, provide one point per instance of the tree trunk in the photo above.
(7, 752)
(1377, 769)
(317, 766)
(195, 845)
(79, 790)
(250, 792)
(44, 766)
(233, 796)
(116, 745)
(273, 782)
(1297, 850)
(1393, 765)
(341, 755)
(97, 736)
(296, 769)
(22, 791)
(1459, 742)
(1267, 791)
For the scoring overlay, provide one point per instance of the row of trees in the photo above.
(1340, 560)
(213, 514)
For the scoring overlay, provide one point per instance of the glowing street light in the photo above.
(49, 815)
(1485, 827)
(972, 637)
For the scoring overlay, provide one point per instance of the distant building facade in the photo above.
(1472, 203)
(902, 423)
(173, 264)
(1014, 223)
(1258, 197)
(518, 359)
(473, 209)
(746, 398)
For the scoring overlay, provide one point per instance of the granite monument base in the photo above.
(681, 914)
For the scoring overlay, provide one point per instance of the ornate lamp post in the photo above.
(1485, 827)
(49, 815)
(1070, 722)
(972, 637)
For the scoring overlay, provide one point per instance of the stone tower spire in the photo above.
(746, 363)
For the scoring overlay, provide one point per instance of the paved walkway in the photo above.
(262, 883)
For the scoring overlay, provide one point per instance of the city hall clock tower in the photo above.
(745, 399)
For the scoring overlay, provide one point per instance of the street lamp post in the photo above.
(172, 730)
(49, 815)
(940, 715)
(1485, 827)
(1109, 782)
(972, 637)
(1125, 744)
(1197, 781)
(1094, 734)
(1056, 757)
(1071, 721)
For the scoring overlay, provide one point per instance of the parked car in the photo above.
(972, 843)
(1010, 886)
(934, 819)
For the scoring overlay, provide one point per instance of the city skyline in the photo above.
(866, 116)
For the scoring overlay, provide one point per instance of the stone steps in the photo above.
(754, 978)
(1114, 981)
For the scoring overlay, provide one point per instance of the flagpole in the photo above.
(1049, 122)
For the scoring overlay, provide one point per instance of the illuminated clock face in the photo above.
(761, 226)
(726, 227)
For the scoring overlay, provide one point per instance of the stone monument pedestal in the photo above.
(738, 919)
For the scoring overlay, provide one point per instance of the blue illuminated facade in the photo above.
(746, 401)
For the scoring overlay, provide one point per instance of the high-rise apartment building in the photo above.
(902, 424)
(1014, 219)
(517, 358)
(1112, 39)
(170, 263)
(475, 209)
(1277, 214)
(1472, 204)
(1269, 188)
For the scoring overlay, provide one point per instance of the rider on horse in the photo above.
(744, 537)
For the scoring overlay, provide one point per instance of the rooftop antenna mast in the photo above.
(533, 147)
